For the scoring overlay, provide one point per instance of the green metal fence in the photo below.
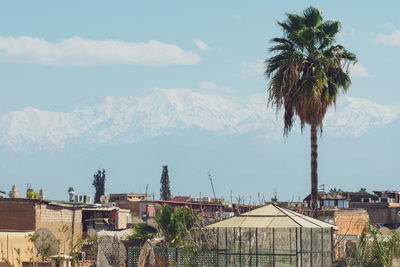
(177, 257)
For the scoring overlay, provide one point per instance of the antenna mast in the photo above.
(212, 186)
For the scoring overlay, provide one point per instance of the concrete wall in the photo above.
(393, 216)
(348, 221)
(380, 212)
(9, 241)
(122, 219)
(351, 222)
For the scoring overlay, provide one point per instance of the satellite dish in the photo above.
(103, 199)
(44, 239)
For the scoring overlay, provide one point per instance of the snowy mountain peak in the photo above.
(160, 111)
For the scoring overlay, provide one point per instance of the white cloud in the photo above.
(388, 26)
(253, 69)
(349, 31)
(214, 87)
(392, 39)
(77, 51)
(357, 70)
(236, 16)
(201, 45)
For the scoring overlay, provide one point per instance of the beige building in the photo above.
(20, 217)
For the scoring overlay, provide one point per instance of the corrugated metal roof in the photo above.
(271, 216)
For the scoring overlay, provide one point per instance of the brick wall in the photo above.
(138, 207)
(17, 215)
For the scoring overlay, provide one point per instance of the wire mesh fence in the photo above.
(253, 247)
(274, 247)
(177, 257)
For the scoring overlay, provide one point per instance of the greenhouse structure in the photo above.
(275, 237)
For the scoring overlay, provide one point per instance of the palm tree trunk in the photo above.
(314, 169)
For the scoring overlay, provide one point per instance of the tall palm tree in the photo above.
(306, 75)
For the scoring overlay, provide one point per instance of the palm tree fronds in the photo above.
(312, 17)
(331, 27)
(308, 71)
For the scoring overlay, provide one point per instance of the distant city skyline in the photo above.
(131, 86)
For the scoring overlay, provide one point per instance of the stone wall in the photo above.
(55, 217)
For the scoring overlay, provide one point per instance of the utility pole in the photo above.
(212, 186)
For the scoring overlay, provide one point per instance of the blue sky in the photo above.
(215, 46)
(237, 32)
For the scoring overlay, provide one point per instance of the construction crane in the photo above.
(212, 186)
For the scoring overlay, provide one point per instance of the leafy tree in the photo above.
(18, 258)
(166, 223)
(74, 245)
(165, 192)
(362, 190)
(43, 243)
(176, 224)
(142, 232)
(31, 194)
(99, 180)
(307, 73)
(374, 249)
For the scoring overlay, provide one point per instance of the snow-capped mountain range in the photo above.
(126, 120)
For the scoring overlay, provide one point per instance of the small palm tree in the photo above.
(306, 74)
(335, 191)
